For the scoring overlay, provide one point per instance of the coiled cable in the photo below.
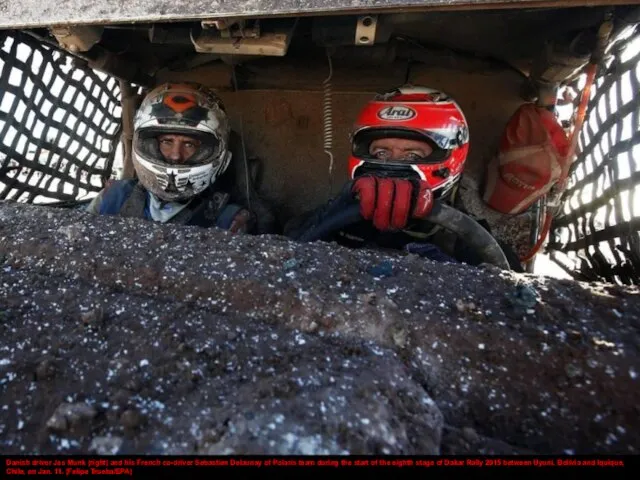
(327, 118)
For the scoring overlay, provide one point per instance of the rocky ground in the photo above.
(121, 336)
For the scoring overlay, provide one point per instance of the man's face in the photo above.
(178, 149)
(399, 150)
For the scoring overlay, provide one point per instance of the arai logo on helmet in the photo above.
(395, 112)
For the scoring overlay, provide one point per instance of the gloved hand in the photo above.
(242, 222)
(391, 202)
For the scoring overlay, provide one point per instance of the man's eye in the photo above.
(190, 145)
(381, 154)
(414, 156)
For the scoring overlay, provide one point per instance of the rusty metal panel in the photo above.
(41, 13)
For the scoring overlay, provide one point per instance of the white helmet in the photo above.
(182, 109)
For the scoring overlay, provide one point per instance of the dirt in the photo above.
(124, 336)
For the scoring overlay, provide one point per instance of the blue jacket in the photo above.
(129, 198)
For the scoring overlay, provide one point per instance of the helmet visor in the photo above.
(178, 148)
(361, 147)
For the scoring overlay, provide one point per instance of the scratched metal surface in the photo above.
(39, 13)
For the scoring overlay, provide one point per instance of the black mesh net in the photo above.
(595, 237)
(59, 124)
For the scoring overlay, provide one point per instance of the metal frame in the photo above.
(44, 13)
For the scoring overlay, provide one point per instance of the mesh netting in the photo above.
(59, 124)
(596, 235)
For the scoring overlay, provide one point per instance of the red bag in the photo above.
(533, 156)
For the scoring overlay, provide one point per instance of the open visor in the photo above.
(362, 141)
(147, 146)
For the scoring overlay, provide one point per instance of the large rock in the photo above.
(128, 336)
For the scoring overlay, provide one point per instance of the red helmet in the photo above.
(413, 113)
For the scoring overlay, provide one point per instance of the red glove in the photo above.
(391, 202)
